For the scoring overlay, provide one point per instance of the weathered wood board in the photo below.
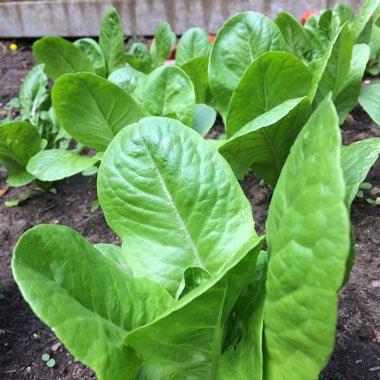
(141, 17)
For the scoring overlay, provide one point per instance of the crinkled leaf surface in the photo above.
(111, 40)
(34, 92)
(269, 81)
(369, 99)
(173, 200)
(85, 298)
(347, 98)
(356, 160)
(19, 141)
(186, 342)
(204, 118)
(56, 164)
(94, 53)
(264, 144)
(60, 57)
(308, 236)
(335, 66)
(127, 78)
(167, 91)
(194, 43)
(240, 41)
(92, 109)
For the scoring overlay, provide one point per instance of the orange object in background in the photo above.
(306, 15)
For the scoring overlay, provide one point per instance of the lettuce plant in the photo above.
(265, 83)
(35, 129)
(37, 142)
(93, 110)
(85, 55)
(19, 141)
(56, 57)
(190, 293)
(233, 51)
(146, 59)
(274, 93)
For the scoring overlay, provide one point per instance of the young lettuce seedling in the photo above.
(146, 59)
(188, 295)
(85, 55)
(270, 103)
(266, 112)
(93, 110)
(38, 129)
(234, 51)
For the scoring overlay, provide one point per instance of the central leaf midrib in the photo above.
(197, 258)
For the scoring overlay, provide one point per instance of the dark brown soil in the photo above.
(23, 338)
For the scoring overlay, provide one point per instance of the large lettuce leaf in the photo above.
(173, 200)
(308, 233)
(241, 40)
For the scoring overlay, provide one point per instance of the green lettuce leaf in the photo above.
(92, 109)
(269, 81)
(298, 39)
(194, 43)
(55, 164)
(348, 96)
(34, 93)
(308, 236)
(369, 99)
(178, 215)
(19, 141)
(366, 11)
(60, 57)
(197, 70)
(264, 144)
(186, 342)
(204, 118)
(127, 78)
(356, 160)
(241, 40)
(139, 57)
(94, 53)
(164, 41)
(243, 357)
(167, 91)
(331, 75)
(88, 301)
(111, 40)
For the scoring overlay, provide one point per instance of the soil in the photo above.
(23, 338)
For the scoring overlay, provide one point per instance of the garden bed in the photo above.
(23, 338)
